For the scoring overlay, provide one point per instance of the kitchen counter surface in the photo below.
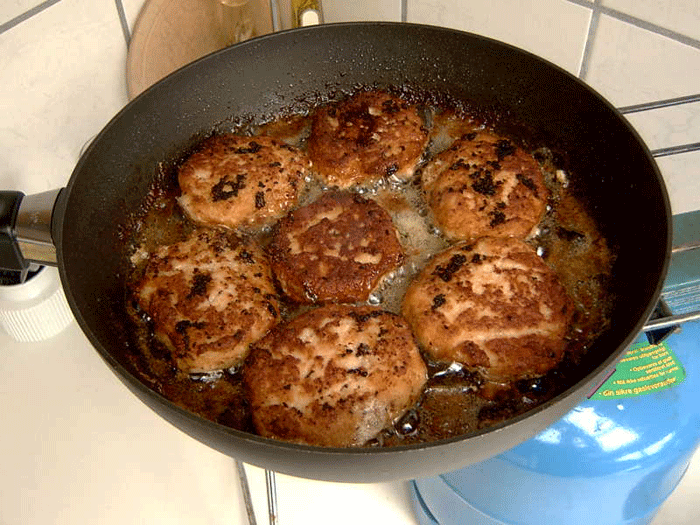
(76, 446)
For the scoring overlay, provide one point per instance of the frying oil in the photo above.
(456, 401)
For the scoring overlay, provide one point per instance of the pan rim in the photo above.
(282, 446)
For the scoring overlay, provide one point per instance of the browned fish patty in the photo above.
(335, 249)
(492, 305)
(365, 138)
(209, 297)
(334, 376)
(233, 180)
(484, 185)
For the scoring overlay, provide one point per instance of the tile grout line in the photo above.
(668, 151)
(675, 150)
(638, 22)
(653, 28)
(122, 21)
(659, 104)
(26, 15)
(590, 37)
(596, 10)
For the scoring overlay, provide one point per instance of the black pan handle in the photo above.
(10, 255)
(25, 229)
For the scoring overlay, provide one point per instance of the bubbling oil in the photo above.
(455, 401)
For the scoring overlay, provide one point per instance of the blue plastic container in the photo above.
(613, 460)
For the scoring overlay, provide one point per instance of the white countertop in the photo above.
(76, 446)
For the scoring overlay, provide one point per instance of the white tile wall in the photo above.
(553, 29)
(11, 9)
(663, 128)
(61, 79)
(682, 17)
(630, 65)
(681, 175)
(131, 10)
(345, 11)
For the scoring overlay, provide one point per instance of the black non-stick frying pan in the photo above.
(611, 169)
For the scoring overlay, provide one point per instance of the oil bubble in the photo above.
(375, 299)
(408, 423)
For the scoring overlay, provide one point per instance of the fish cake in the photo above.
(334, 376)
(336, 249)
(484, 185)
(492, 305)
(232, 181)
(367, 137)
(209, 297)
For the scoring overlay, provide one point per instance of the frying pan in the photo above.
(611, 169)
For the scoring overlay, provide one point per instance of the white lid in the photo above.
(36, 309)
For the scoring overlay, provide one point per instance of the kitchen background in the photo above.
(75, 446)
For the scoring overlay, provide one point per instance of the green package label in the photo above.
(643, 370)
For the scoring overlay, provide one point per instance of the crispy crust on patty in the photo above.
(209, 297)
(492, 305)
(233, 180)
(485, 185)
(335, 249)
(365, 138)
(334, 376)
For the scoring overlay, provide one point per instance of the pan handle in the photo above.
(671, 321)
(25, 229)
(663, 322)
(10, 255)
